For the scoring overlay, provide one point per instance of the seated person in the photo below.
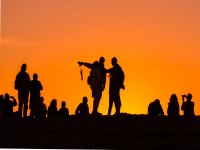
(155, 109)
(52, 109)
(8, 104)
(188, 106)
(173, 106)
(83, 109)
(63, 111)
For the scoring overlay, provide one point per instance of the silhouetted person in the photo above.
(83, 109)
(8, 104)
(116, 83)
(63, 111)
(52, 109)
(188, 106)
(155, 108)
(42, 109)
(96, 80)
(35, 88)
(173, 106)
(22, 84)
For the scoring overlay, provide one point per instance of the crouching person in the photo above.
(83, 109)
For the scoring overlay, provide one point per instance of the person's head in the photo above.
(35, 76)
(63, 104)
(101, 60)
(95, 64)
(53, 102)
(114, 61)
(189, 97)
(6, 96)
(23, 67)
(157, 101)
(173, 98)
(85, 100)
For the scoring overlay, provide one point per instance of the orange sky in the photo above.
(156, 43)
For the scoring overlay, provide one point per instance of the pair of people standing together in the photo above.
(97, 81)
(24, 85)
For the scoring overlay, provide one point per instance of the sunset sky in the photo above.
(157, 43)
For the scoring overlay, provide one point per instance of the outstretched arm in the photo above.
(88, 65)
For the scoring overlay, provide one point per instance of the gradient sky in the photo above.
(156, 43)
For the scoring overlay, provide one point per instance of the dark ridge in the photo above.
(124, 131)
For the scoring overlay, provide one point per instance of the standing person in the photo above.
(116, 83)
(188, 106)
(173, 106)
(8, 105)
(22, 84)
(97, 81)
(35, 88)
(83, 109)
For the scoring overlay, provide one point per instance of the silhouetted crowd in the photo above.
(96, 80)
(155, 108)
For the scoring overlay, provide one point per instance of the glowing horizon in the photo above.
(156, 43)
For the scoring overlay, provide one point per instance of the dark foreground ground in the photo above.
(125, 131)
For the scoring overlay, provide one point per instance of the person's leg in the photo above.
(117, 101)
(20, 97)
(98, 100)
(25, 104)
(110, 104)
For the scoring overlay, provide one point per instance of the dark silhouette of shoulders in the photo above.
(52, 109)
(155, 108)
(173, 106)
(63, 111)
(83, 108)
(8, 105)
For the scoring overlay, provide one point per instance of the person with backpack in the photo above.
(97, 81)
(116, 83)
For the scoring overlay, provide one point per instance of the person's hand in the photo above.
(80, 63)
